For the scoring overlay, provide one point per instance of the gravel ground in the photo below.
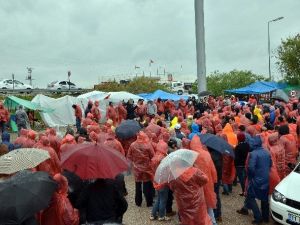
(140, 215)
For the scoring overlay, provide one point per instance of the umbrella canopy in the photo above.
(175, 164)
(217, 143)
(25, 194)
(204, 93)
(128, 129)
(92, 161)
(21, 159)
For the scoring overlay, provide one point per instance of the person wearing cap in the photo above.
(178, 132)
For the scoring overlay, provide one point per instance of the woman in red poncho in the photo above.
(278, 154)
(122, 112)
(110, 140)
(190, 199)
(60, 210)
(51, 165)
(96, 112)
(289, 144)
(204, 163)
(140, 153)
(159, 208)
(111, 113)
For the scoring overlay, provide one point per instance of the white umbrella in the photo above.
(21, 159)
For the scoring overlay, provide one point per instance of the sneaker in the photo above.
(170, 214)
(219, 219)
(152, 218)
(165, 218)
(242, 211)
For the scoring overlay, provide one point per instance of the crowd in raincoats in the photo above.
(266, 139)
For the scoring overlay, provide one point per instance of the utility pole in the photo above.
(200, 45)
(13, 79)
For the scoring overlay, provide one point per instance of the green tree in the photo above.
(218, 82)
(289, 59)
(135, 86)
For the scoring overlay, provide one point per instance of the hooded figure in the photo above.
(30, 140)
(190, 199)
(6, 141)
(122, 112)
(289, 144)
(195, 131)
(258, 171)
(88, 108)
(20, 141)
(140, 154)
(278, 154)
(55, 142)
(113, 142)
(22, 120)
(111, 113)
(60, 210)
(204, 163)
(96, 112)
(51, 165)
(4, 117)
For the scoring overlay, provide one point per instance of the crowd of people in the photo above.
(265, 139)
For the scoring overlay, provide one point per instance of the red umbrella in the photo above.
(92, 161)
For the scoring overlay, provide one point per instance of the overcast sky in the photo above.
(101, 39)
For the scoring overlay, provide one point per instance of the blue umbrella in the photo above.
(128, 129)
(217, 143)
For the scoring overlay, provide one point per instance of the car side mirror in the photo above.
(291, 166)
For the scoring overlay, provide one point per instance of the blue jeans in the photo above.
(78, 123)
(218, 210)
(250, 203)
(2, 126)
(227, 188)
(160, 203)
(241, 174)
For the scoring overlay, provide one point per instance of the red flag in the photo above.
(107, 97)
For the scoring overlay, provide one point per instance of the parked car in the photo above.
(13, 84)
(62, 85)
(285, 200)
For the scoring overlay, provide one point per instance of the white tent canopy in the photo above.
(93, 95)
(63, 114)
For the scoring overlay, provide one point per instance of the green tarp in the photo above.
(12, 102)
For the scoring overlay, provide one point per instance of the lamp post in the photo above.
(269, 44)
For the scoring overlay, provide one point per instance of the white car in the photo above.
(62, 85)
(13, 84)
(285, 200)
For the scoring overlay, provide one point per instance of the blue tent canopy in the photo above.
(259, 87)
(163, 95)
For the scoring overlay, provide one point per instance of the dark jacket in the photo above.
(241, 152)
(103, 201)
(88, 110)
(217, 158)
(6, 141)
(258, 170)
(179, 134)
(130, 111)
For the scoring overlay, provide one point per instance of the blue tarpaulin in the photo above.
(259, 87)
(163, 95)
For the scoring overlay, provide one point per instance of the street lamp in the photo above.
(269, 45)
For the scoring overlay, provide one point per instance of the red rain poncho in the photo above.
(189, 195)
(291, 152)
(22, 139)
(278, 154)
(96, 112)
(111, 113)
(161, 152)
(51, 165)
(122, 112)
(54, 141)
(204, 163)
(60, 210)
(231, 136)
(228, 170)
(153, 128)
(140, 153)
(141, 109)
(67, 142)
(113, 142)
(78, 112)
(4, 114)
(30, 140)
(160, 106)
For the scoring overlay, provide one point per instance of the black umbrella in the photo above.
(204, 93)
(217, 143)
(128, 129)
(25, 194)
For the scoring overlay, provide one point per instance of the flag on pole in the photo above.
(69, 73)
(151, 61)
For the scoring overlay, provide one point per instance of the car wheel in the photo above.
(180, 92)
(29, 90)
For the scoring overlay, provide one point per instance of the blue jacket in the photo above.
(272, 116)
(195, 130)
(6, 141)
(258, 170)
